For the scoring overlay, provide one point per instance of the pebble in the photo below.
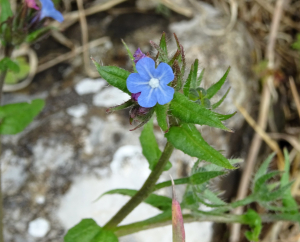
(78, 111)
(39, 227)
(88, 85)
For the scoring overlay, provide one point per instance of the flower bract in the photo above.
(48, 10)
(138, 54)
(32, 4)
(151, 82)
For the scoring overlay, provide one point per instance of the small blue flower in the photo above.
(151, 82)
(48, 10)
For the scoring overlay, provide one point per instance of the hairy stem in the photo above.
(188, 218)
(145, 191)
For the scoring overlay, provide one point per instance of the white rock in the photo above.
(78, 111)
(38, 227)
(109, 97)
(88, 85)
(40, 199)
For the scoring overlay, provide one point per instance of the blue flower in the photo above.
(151, 82)
(48, 10)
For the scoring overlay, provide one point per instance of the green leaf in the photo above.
(15, 117)
(287, 217)
(261, 180)
(190, 112)
(274, 195)
(217, 104)
(115, 76)
(189, 140)
(157, 201)
(7, 64)
(213, 198)
(199, 80)
(194, 74)
(212, 90)
(263, 168)
(223, 117)
(89, 231)
(163, 44)
(254, 221)
(161, 114)
(5, 10)
(187, 85)
(130, 56)
(195, 179)
(35, 35)
(24, 69)
(212, 167)
(150, 146)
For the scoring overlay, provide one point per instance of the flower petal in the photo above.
(164, 94)
(164, 73)
(135, 83)
(147, 99)
(48, 10)
(146, 68)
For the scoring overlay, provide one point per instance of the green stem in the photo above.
(145, 191)
(188, 218)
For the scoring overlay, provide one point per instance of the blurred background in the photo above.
(73, 152)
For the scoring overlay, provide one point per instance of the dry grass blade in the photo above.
(295, 95)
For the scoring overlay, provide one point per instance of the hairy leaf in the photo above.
(254, 221)
(212, 90)
(150, 146)
(160, 202)
(115, 76)
(217, 104)
(224, 117)
(161, 114)
(187, 85)
(89, 231)
(260, 182)
(189, 140)
(194, 75)
(263, 168)
(190, 112)
(199, 80)
(163, 44)
(15, 117)
(130, 55)
(195, 179)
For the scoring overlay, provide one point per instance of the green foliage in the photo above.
(160, 202)
(115, 76)
(35, 35)
(211, 91)
(254, 221)
(161, 115)
(5, 10)
(189, 140)
(21, 73)
(190, 112)
(8, 64)
(89, 231)
(15, 117)
(195, 179)
(163, 44)
(150, 146)
(130, 56)
(217, 104)
(296, 44)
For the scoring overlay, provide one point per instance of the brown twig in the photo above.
(295, 94)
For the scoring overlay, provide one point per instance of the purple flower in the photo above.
(48, 10)
(151, 82)
(135, 96)
(138, 55)
(32, 4)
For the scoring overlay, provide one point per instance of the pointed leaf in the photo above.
(195, 179)
(150, 146)
(194, 75)
(217, 104)
(115, 76)
(188, 139)
(187, 85)
(87, 230)
(160, 202)
(223, 117)
(15, 117)
(274, 195)
(263, 168)
(130, 56)
(261, 181)
(177, 220)
(8, 64)
(212, 90)
(199, 80)
(35, 35)
(161, 115)
(190, 112)
(163, 44)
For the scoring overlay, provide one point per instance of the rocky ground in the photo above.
(74, 151)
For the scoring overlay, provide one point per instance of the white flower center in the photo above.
(154, 82)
